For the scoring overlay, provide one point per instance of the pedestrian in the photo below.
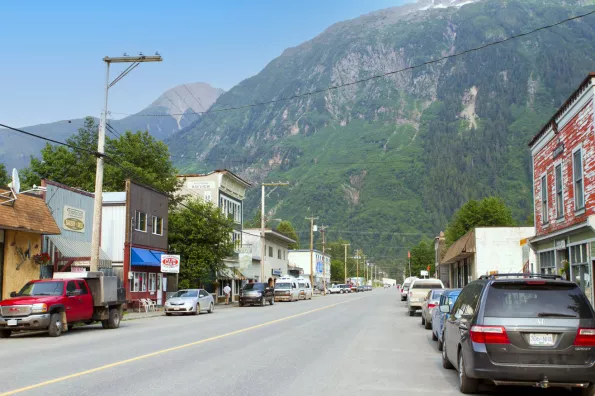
(227, 290)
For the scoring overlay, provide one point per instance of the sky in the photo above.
(51, 52)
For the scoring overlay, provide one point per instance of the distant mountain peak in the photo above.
(430, 4)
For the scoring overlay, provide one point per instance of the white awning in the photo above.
(79, 250)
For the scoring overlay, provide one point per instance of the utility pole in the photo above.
(357, 268)
(322, 228)
(97, 204)
(312, 248)
(409, 258)
(263, 224)
(366, 269)
(345, 272)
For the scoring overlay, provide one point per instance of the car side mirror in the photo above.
(13, 294)
(445, 308)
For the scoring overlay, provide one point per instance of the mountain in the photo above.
(389, 160)
(175, 108)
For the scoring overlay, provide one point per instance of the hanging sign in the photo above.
(170, 263)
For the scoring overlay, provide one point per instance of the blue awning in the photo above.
(145, 257)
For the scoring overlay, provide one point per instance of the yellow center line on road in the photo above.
(163, 351)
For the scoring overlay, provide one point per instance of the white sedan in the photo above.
(190, 301)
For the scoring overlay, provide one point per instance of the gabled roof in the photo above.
(223, 171)
(563, 108)
(28, 213)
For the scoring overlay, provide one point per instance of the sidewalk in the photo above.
(134, 315)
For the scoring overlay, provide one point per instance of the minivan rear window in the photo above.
(549, 300)
(427, 285)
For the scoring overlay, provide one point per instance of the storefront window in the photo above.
(152, 282)
(547, 263)
(580, 269)
(138, 283)
(222, 284)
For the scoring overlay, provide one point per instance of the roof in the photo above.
(28, 213)
(274, 233)
(114, 197)
(78, 249)
(563, 108)
(308, 251)
(223, 171)
(463, 247)
(65, 187)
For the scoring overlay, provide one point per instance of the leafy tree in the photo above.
(337, 270)
(4, 177)
(422, 255)
(490, 211)
(200, 234)
(286, 228)
(145, 159)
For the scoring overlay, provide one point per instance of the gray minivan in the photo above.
(517, 329)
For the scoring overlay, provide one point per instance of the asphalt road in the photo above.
(334, 345)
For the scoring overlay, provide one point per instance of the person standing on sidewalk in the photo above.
(227, 290)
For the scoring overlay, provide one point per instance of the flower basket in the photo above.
(42, 258)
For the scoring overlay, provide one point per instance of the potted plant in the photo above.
(42, 258)
(565, 269)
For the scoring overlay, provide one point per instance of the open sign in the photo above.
(170, 263)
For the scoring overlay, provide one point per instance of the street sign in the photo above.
(423, 273)
(170, 263)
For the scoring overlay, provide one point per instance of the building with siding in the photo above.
(276, 258)
(321, 265)
(563, 154)
(134, 233)
(24, 219)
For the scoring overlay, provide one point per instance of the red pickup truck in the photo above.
(57, 304)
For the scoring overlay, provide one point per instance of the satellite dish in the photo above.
(16, 182)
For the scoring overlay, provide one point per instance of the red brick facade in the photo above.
(577, 133)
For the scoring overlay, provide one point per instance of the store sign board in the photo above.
(73, 219)
(170, 264)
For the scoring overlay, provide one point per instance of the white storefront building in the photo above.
(276, 257)
(321, 264)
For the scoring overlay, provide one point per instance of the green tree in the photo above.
(4, 177)
(337, 270)
(145, 160)
(422, 256)
(286, 228)
(200, 234)
(490, 211)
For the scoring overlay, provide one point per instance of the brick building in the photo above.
(563, 154)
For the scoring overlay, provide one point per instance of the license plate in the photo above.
(541, 339)
(12, 322)
(176, 309)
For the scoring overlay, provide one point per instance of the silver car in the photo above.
(190, 301)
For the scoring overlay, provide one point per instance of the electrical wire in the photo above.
(377, 76)
(124, 73)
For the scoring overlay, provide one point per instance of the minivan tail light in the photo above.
(585, 337)
(489, 335)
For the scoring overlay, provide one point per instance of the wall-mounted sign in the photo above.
(170, 263)
(423, 273)
(560, 243)
(73, 219)
(276, 272)
(201, 185)
(244, 256)
(558, 150)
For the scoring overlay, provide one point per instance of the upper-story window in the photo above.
(236, 239)
(157, 225)
(279, 254)
(140, 223)
(544, 208)
(231, 208)
(579, 190)
(559, 192)
(270, 251)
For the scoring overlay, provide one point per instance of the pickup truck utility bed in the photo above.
(57, 304)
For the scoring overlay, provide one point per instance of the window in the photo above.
(140, 221)
(236, 239)
(547, 262)
(157, 225)
(208, 196)
(579, 193)
(152, 282)
(203, 293)
(70, 287)
(467, 302)
(138, 283)
(279, 254)
(231, 208)
(83, 287)
(270, 251)
(283, 254)
(544, 214)
(559, 193)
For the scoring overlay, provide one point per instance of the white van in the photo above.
(287, 289)
(305, 288)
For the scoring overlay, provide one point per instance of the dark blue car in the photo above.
(438, 318)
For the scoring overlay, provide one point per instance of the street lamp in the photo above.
(135, 61)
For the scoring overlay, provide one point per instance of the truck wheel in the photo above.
(55, 328)
(113, 321)
(104, 324)
(5, 333)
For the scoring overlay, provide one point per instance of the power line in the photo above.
(377, 76)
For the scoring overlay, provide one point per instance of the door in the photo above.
(454, 325)
(203, 299)
(72, 305)
(85, 300)
(159, 291)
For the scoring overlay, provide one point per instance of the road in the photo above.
(333, 345)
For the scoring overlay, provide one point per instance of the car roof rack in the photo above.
(522, 275)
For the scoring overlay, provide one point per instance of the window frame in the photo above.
(152, 282)
(154, 222)
(271, 251)
(544, 199)
(137, 214)
(559, 189)
(579, 150)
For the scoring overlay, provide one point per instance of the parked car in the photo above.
(353, 288)
(418, 291)
(335, 289)
(305, 289)
(369, 288)
(361, 288)
(287, 289)
(449, 297)
(345, 288)
(518, 329)
(405, 288)
(189, 301)
(257, 293)
(57, 304)
(429, 305)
